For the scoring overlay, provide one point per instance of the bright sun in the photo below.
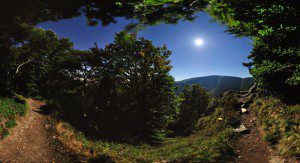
(199, 42)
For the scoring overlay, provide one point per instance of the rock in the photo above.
(244, 110)
(253, 120)
(241, 129)
(245, 105)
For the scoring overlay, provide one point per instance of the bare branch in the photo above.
(18, 68)
(193, 3)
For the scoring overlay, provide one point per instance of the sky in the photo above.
(220, 54)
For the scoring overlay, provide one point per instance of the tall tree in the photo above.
(275, 59)
(135, 94)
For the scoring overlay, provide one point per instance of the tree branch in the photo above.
(18, 68)
(193, 2)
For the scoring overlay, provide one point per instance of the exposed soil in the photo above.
(250, 146)
(32, 140)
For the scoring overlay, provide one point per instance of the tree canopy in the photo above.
(274, 60)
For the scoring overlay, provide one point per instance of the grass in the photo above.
(212, 142)
(201, 146)
(10, 109)
(280, 123)
(11, 123)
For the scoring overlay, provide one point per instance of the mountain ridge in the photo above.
(217, 84)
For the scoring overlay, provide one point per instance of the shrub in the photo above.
(10, 109)
(194, 104)
(11, 123)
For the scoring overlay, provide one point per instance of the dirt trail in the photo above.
(250, 146)
(32, 140)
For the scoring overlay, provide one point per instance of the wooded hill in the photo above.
(217, 84)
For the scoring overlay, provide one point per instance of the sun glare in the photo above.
(199, 42)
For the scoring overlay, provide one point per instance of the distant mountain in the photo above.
(216, 84)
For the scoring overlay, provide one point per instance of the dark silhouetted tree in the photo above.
(135, 96)
(194, 104)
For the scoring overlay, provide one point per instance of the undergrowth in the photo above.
(211, 142)
(281, 125)
(201, 146)
(10, 110)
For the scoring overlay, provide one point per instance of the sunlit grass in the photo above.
(280, 123)
(206, 145)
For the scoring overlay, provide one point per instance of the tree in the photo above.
(39, 63)
(274, 60)
(135, 95)
(194, 104)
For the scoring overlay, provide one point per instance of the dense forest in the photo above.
(124, 93)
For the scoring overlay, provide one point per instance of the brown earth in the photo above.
(251, 148)
(32, 140)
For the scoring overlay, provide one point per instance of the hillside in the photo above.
(217, 84)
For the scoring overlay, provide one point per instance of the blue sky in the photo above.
(221, 53)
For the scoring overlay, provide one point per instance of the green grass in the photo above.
(280, 123)
(201, 146)
(212, 142)
(11, 123)
(10, 109)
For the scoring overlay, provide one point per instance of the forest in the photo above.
(120, 101)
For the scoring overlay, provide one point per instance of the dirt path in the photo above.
(32, 140)
(250, 146)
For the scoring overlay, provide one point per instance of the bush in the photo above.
(10, 109)
(194, 104)
(11, 123)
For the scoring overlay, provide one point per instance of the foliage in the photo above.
(210, 142)
(272, 25)
(204, 146)
(193, 106)
(11, 123)
(274, 60)
(281, 124)
(10, 109)
(134, 94)
(37, 63)
(225, 113)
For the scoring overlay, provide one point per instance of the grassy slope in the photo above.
(10, 110)
(208, 144)
(281, 125)
(212, 142)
